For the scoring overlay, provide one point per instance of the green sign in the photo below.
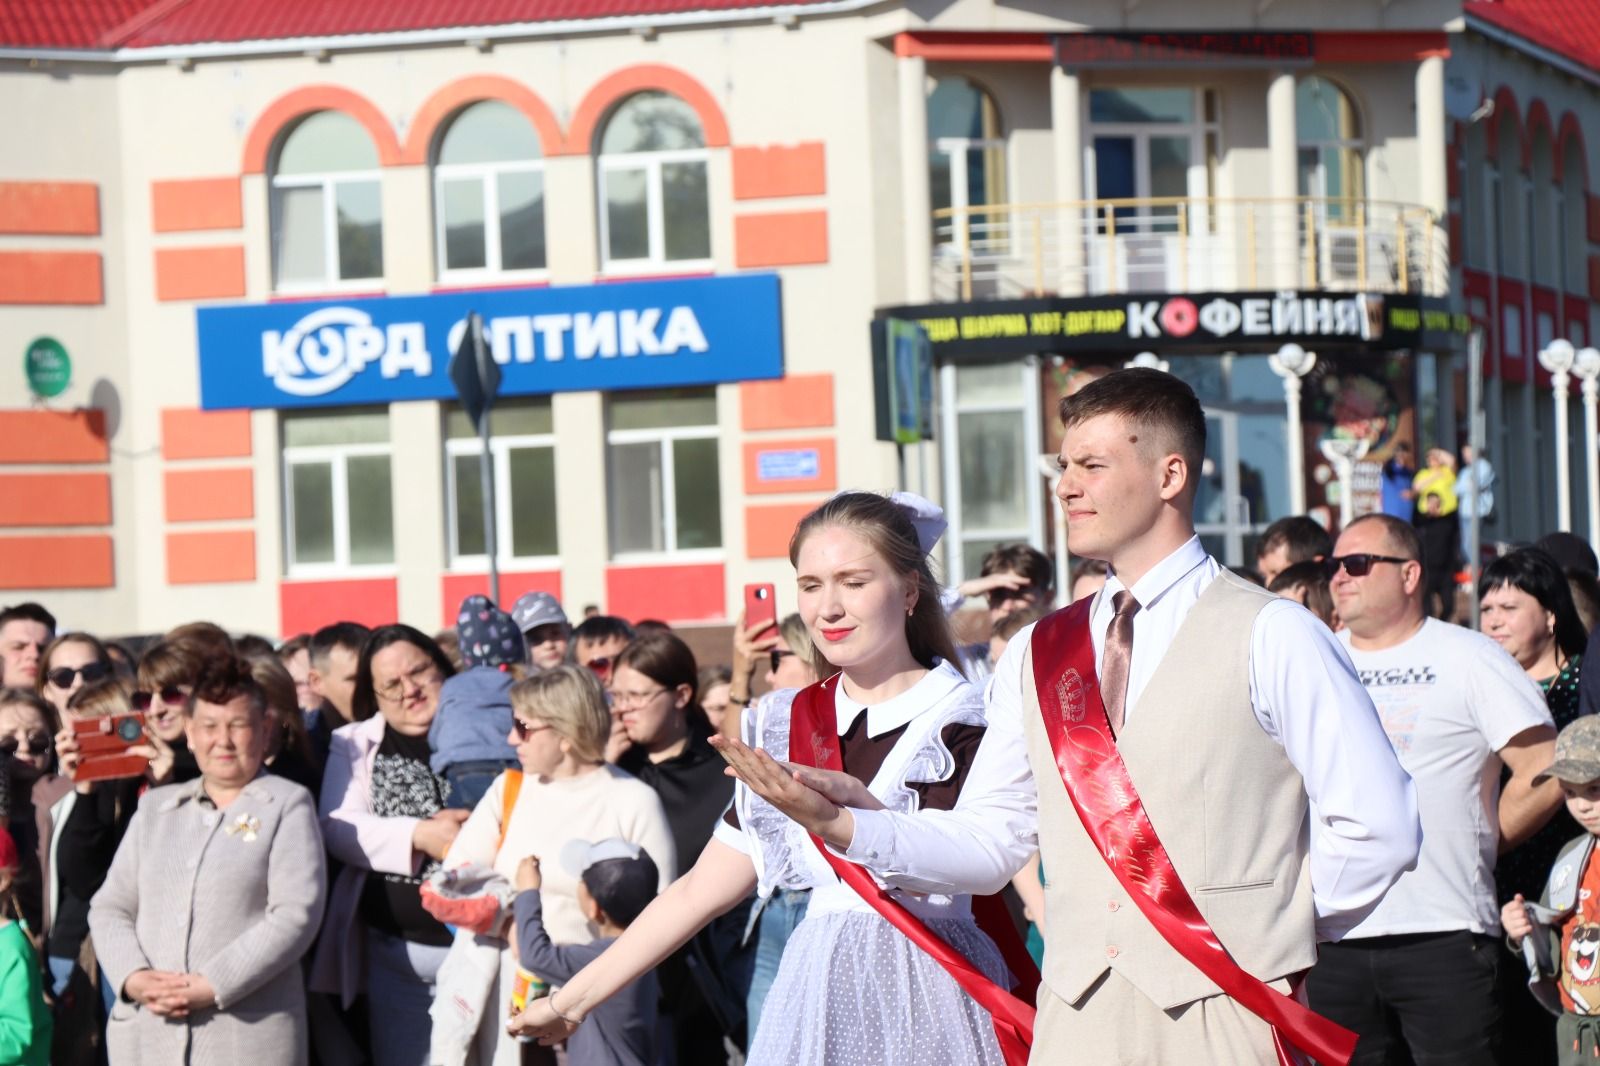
(48, 367)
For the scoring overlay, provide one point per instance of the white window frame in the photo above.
(651, 163)
(665, 436)
(488, 177)
(337, 455)
(329, 183)
(952, 153)
(500, 448)
(1197, 178)
(951, 409)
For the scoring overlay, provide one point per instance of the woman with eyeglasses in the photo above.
(71, 661)
(384, 817)
(567, 792)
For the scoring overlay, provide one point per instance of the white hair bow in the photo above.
(926, 516)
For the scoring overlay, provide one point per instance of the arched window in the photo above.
(488, 187)
(966, 155)
(1329, 133)
(1574, 217)
(1514, 200)
(1544, 235)
(656, 208)
(327, 216)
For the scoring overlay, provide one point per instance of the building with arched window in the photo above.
(730, 258)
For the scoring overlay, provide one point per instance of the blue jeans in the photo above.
(775, 919)
(470, 780)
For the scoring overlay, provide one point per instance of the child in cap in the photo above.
(1559, 937)
(468, 734)
(25, 1023)
(544, 626)
(616, 881)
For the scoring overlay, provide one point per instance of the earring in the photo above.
(910, 610)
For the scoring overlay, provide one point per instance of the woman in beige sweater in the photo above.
(568, 792)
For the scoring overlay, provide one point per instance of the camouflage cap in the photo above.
(1577, 753)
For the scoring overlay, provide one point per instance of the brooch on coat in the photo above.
(247, 825)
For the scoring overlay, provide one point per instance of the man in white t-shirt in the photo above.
(1420, 970)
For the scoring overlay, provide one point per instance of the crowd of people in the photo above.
(380, 845)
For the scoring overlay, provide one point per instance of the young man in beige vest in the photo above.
(1418, 975)
(1257, 754)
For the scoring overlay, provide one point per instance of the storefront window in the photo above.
(655, 203)
(327, 217)
(664, 491)
(489, 193)
(338, 501)
(523, 447)
(993, 491)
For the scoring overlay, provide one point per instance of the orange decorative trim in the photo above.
(51, 278)
(796, 401)
(196, 204)
(687, 593)
(187, 433)
(769, 526)
(443, 105)
(303, 101)
(214, 273)
(1379, 47)
(54, 436)
(976, 47)
(617, 87)
(209, 495)
(211, 558)
(307, 606)
(789, 238)
(55, 499)
(61, 207)
(57, 562)
(761, 453)
(453, 588)
(779, 170)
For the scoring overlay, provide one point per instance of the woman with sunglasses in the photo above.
(567, 792)
(71, 661)
(26, 759)
(384, 817)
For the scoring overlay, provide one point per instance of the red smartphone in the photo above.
(104, 742)
(761, 607)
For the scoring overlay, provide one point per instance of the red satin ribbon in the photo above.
(1108, 805)
(814, 741)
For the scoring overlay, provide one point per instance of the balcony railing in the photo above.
(1180, 244)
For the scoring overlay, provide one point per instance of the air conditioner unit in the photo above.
(1340, 264)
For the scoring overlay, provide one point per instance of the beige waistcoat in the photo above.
(1225, 801)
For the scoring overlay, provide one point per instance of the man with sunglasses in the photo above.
(597, 641)
(1419, 972)
(25, 630)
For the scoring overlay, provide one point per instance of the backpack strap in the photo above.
(507, 804)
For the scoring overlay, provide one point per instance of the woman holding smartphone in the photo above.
(851, 989)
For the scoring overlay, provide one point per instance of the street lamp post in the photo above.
(1558, 358)
(1344, 454)
(1291, 363)
(1586, 364)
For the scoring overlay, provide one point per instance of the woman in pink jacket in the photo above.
(384, 818)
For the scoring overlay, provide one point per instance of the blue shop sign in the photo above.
(633, 335)
(790, 464)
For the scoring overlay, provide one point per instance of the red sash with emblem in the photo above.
(1103, 795)
(814, 741)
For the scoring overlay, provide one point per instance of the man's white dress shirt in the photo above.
(1306, 695)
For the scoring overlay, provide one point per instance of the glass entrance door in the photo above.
(1243, 484)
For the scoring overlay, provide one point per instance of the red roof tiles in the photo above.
(1567, 27)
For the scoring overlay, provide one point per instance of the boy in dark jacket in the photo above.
(469, 732)
(616, 881)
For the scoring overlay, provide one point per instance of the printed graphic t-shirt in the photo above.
(1450, 699)
(1580, 945)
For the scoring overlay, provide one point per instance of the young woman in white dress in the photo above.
(851, 989)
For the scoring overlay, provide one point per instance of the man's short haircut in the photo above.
(1300, 537)
(1023, 559)
(300, 642)
(347, 635)
(1402, 536)
(1152, 400)
(601, 627)
(28, 612)
(1313, 578)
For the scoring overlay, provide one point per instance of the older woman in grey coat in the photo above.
(215, 894)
